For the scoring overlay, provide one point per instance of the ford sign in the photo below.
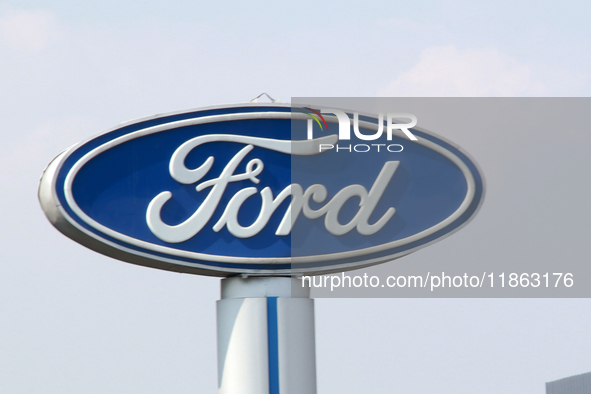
(261, 189)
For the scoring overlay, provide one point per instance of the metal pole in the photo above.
(265, 328)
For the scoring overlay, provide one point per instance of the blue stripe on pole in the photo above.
(273, 345)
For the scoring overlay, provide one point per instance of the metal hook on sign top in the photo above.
(256, 99)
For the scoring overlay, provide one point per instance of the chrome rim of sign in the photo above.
(261, 189)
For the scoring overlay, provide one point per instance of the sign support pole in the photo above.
(265, 329)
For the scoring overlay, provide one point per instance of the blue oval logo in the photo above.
(262, 190)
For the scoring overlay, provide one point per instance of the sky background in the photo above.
(73, 321)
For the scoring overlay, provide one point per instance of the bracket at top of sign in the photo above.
(256, 99)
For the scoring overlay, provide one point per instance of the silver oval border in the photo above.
(48, 191)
